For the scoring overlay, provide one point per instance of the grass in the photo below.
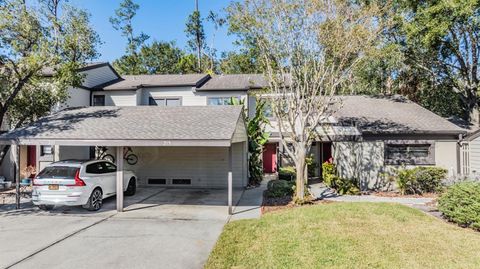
(346, 235)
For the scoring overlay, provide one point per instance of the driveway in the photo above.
(160, 228)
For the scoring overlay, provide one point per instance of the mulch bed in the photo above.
(274, 204)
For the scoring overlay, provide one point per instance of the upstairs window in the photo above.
(99, 100)
(174, 101)
(416, 154)
(221, 101)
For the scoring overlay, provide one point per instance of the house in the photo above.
(174, 124)
(367, 136)
(470, 155)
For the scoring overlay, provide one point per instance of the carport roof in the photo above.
(133, 126)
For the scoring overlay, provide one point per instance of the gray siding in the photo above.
(475, 156)
(97, 76)
(77, 98)
(72, 152)
(363, 161)
(118, 98)
(188, 95)
(205, 166)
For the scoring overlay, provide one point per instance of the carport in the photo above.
(143, 126)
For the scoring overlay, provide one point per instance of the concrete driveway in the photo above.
(160, 228)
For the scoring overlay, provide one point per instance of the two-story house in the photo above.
(365, 137)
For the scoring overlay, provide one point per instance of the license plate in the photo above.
(53, 187)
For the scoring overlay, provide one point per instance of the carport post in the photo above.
(230, 165)
(119, 157)
(16, 173)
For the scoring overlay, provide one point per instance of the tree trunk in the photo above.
(3, 153)
(301, 165)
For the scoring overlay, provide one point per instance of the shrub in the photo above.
(287, 173)
(461, 204)
(279, 188)
(341, 185)
(420, 180)
(328, 173)
(346, 186)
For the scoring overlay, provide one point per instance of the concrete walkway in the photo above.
(322, 192)
(250, 203)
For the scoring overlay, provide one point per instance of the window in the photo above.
(99, 100)
(60, 172)
(267, 110)
(173, 101)
(221, 101)
(96, 168)
(409, 154)
(110, 168)
(46, 150)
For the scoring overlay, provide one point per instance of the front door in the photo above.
(32, 157)
(270, 158)
(325, 153)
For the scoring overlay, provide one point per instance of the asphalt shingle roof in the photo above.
(137, 81)
(134, 123)
(234, 82)
(50, 71)
(391, 115)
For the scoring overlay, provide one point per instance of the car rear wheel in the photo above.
(95, 201)
(131, 188)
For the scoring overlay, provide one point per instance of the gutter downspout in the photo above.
(460, 155)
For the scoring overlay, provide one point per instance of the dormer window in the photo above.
(98, 100)
(221, 101)
(165, 101)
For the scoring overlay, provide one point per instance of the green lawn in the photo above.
(346, 235)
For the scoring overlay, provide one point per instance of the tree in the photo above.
(443, 39)
(156, 58)
(257, 137)
(29, 44)
(123, 21)
(308, 48)
(244, 62)
(196, 35)
(429, 53)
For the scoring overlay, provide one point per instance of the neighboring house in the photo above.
(470, 155)
(366, 136)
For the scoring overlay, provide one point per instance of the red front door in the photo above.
(32, 157)
(270, 158)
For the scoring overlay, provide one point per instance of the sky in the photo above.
(162, 20)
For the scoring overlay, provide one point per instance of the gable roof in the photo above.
(50, 71)
(241, 82)
(133, 82)
(391, 115)
(132, 126)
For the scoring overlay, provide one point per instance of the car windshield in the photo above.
(58, 172)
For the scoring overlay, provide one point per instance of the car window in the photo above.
(95, 168)
(110, 168)
(58, 172)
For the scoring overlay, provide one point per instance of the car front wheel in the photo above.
(46, 207)
(95, 201)
(131, 188)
